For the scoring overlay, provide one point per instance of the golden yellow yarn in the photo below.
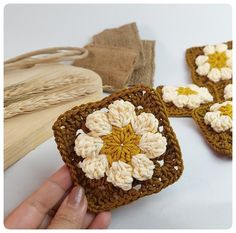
(120, 144)
(186, 91)
(226, 110)
(217, 60)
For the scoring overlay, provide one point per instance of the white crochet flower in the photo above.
(190, 96)
(120, 145)
(216, 63)
(220, 116)
(228, 91)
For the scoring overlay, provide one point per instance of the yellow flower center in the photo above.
(217, 60)
(120, 144)
(226, 110)
(186, 91)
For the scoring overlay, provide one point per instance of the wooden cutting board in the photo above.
(25, 131)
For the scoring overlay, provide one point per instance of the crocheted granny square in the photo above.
(215, 123)
(120, 148)
(211, 64)
(182, 100)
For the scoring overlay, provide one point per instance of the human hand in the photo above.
(56, 205)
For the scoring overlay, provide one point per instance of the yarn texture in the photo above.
(215, 123)
(181, 100)
(134, 153)
(211, 65)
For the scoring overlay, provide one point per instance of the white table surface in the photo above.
(202, 198)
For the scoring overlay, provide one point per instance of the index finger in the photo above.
(31, 212)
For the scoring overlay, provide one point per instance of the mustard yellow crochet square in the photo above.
(215, 123)
(120, 148)
(211, 64)
(180, 101)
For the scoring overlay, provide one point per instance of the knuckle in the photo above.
(39, 206)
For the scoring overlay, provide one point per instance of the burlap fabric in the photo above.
(121, 58)
(114, 65)
(126, 36)
(144, 75)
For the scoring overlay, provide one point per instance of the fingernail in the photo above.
(76, 196)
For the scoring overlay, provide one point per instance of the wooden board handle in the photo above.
(48, 55)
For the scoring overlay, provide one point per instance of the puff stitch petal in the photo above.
(201, 59)
(226, 73)
(120, 175)
(169, 93)
(203, 69)
(228, 91)
(98, 123)
(214, 75)
(153, 145)
(229, 53)
(121, 113)
(87, 146)
(145, 122)
(94, 167)
(180, 101)
(143, 167)
(221, 48)
(209, 49)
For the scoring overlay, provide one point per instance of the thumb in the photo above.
(72, 211)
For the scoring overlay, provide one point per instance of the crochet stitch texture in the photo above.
(101, 194)
(216, 61)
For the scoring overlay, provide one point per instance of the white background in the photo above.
(202, 198)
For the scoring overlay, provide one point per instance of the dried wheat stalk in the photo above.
(50, 85)
(45, 101)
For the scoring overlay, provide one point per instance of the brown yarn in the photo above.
(126, 36)
(102, 195)
(191, 55)
(174, 111)
(114, 65)
(220, 142)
